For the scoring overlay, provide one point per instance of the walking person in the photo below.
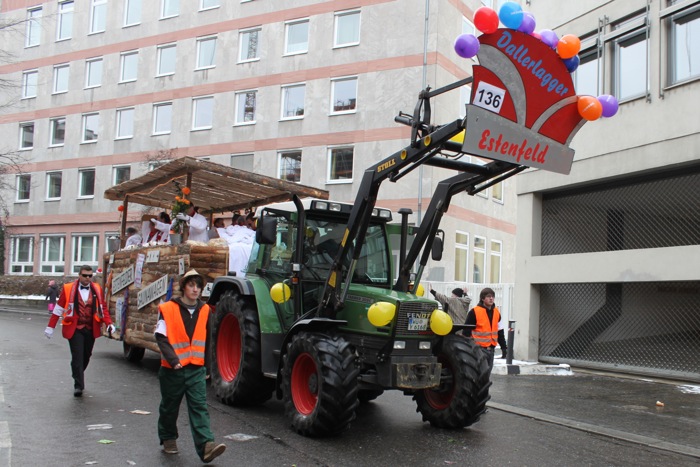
(181, 334)
(52, 295)
(483, 322)
(82, 308)
(456, 305)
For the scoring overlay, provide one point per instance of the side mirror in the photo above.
(437, 246)
(266, 233)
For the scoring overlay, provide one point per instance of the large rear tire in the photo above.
(319, 382)
(132, 353)
(236, 368)
(461, 397)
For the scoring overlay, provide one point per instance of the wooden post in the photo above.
(125, 212)
(188, 184)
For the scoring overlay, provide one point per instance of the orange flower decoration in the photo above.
(185, 191)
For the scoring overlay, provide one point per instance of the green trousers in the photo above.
(191, 383)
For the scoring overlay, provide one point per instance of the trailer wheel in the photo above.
(132, 353)
(236, 368)
(461, 397)
(319, 383)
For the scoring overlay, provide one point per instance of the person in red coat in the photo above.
(81, 305)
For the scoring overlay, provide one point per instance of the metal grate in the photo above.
(647, 328)
(418, 309)
(641, 213)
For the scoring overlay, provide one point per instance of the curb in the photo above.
(530, 368)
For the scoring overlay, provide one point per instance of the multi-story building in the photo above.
(304, 90)
(608, 257)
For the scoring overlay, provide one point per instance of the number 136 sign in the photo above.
(489, 97)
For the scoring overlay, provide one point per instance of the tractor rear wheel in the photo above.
(461, 397)
(236, 368)
(319, 383)
(132, 353)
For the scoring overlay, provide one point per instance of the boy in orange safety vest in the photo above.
(181, 334)
(483, 321)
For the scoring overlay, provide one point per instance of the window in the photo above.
(245, 107)
(479, 260)
(242, 162)
(30, 80)
(128, 66)
(169, 8)
(53, 251)
(206, 49)
(684, 50)
(84, 252)
(22, 255)
(24, 186)
(208, 4)
(343, 95)
(98, 16)
(293, 101)
(53, 185)
(125, 123)
(33, 33)
(495, 263)
(497, 192)
(166, 59)
(58, 131)
(60, 78)
(586, 75)
(162, 118)
(289, 167)
(347, 28)
(132, 12)
(465, 97)
(202, 113)
(121, 174)
(340, 165)
(296, 37)
(65, 21)
(631, 66)
(248, 45)
(468, 26)
(155, 164)
(86, 178)
(461, 256)
(26, 135)
(91, 123)
(93, 73)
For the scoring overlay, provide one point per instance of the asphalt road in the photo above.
(114, 423)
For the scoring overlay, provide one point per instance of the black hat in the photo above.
(458, 292)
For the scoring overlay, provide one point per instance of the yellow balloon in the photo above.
(420, 291)
(440, 323)
(381, 313)
(280, 292)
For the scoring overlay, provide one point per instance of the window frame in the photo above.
(482, 251)
(336, 28)
(78, 259)
(200, 41)
(240, 101)
(334, 82)
(83, 184)
(674, 20)
(285, 97)
(632, 38)
(57, 71)
(203, 8)
(330, 162)
(123, 56)
(497, 192)
(174, 4)
(22, 127)
(282, 170)
(159, 59)
(138, 5)
(33, 28)
(23, 184)
(27, 267)
(246, 156)
(45, 250)
(495, 254)
(195, 107)
(65, 12)
(97, 7)
(119, 126)
(53, 129)
(115, 171)
(244, 32)
(156, 107)
(461, 249)
(288, 25)
(84, 127)
(58, 175)
(27, 86)
(93, 71)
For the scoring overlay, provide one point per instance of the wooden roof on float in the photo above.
(214, 187)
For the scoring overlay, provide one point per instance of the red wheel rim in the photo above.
(228, 348)
(304, 384)
(441, 399)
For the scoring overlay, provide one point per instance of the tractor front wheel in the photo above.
(319, 383)
(461, 397)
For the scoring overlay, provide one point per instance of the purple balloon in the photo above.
(467, 45)
(528, 23)
(572, 63)
(549, 37)
(609, 104)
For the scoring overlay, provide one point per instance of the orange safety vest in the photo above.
(486, 334)
(189, 353)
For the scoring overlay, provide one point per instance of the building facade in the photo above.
(608, 257)
(305, 90)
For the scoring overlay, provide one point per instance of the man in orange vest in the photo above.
(81, 305)
(181, 333)
(483, 321)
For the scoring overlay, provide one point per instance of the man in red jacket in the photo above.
(81, 306)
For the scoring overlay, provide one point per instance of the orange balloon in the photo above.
(589, 108)
(568, 46)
